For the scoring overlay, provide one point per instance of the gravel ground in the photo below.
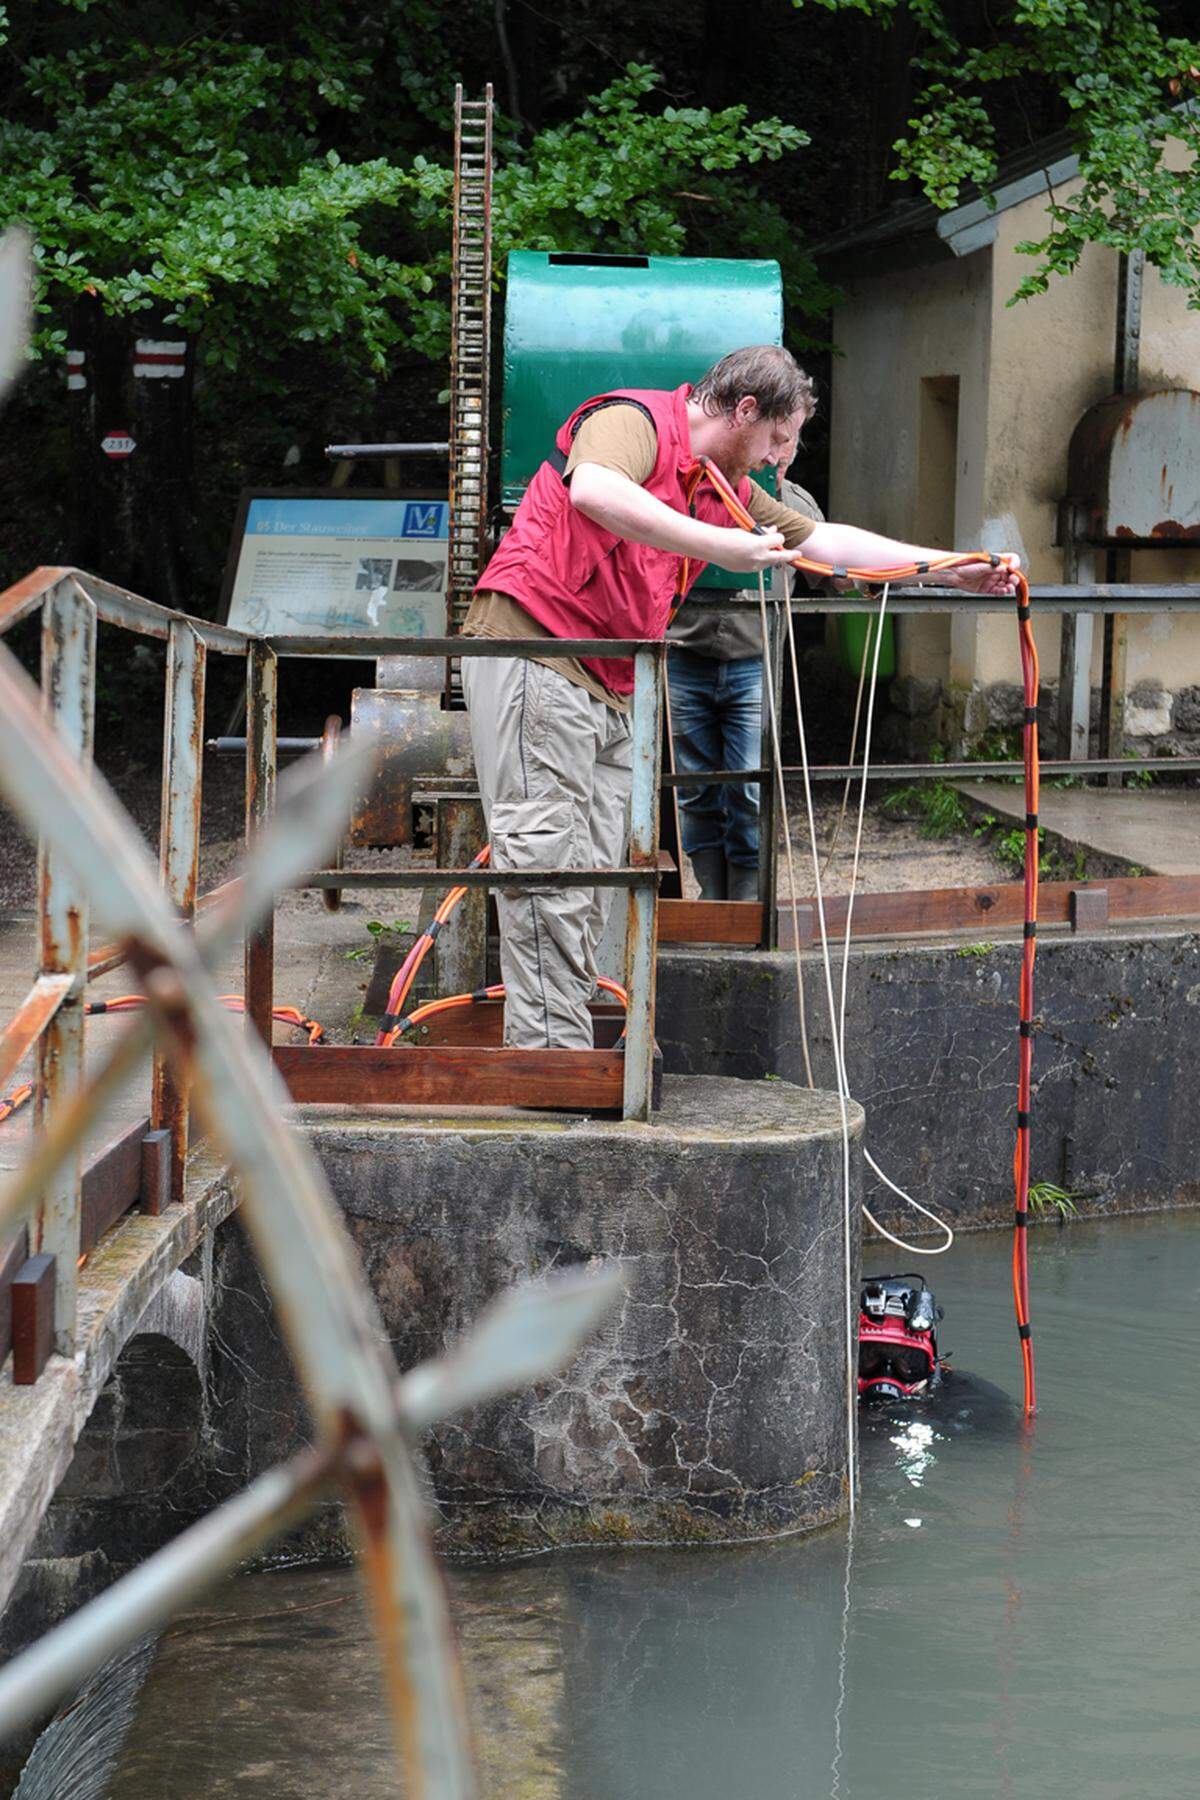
(894, 858)
(139, 791)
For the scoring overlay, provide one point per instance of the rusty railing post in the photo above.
(179, 854)
(641, 938)
(69, 697)
(262, 669)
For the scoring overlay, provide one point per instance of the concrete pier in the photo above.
(711, 1407)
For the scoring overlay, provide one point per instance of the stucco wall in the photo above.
(893, 332)
(1052, 358)
(1027, 373)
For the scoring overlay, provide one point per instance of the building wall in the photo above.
(1026, 375)
(893, 332)
(1052, 358)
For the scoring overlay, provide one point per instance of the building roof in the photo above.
(915, 232)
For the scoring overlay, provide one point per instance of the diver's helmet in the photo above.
(897, 1338)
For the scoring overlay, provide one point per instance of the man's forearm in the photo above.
(848, 546)
(617, 503)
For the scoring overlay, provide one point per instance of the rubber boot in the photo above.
(742, 882)
(708, 866)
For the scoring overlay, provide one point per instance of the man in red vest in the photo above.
(605, 543)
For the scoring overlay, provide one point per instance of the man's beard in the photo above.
(732, 457)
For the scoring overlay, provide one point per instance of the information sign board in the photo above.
(335, 564)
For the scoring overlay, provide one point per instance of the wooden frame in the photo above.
(1129, 897)
(452, 1075)
(460, 1061)
(712, 922)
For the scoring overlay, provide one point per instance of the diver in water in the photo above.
(897, 1339)
(899, 1360)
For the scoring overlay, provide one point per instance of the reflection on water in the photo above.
(1014, 1619)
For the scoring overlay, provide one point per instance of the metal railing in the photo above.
(1104, 598)
(368, 1421)
(52, 1017)
(639, 875)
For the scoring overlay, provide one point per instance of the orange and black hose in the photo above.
(285, 1015)
(398, 993)
(433, 1007)
(1029, 675)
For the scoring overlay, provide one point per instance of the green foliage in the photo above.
(975, 950)
(194, 178)
(1122, 83)
(380, 933)
(244, 183)
(935, 803)
(1047, 1197)
(1009, 846)
(624, 176)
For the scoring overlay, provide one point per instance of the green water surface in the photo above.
(1015, 1615)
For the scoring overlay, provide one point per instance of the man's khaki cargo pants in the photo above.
(554, 767)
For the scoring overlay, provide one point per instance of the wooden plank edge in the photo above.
(451, 1075)
(32, 1319)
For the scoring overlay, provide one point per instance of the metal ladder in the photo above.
(470, 342)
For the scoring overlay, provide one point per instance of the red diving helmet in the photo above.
(897, 1341)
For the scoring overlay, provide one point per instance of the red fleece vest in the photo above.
(579, 580)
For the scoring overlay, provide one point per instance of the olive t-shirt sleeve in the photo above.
(775, 516)
(619, 437)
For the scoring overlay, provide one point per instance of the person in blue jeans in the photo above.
(715, 671)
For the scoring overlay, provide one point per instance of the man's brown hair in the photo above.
(767, 373)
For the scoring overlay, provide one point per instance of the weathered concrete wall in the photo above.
(932, 1056)
(896, 333)
(199, 1401)
(712, 1406)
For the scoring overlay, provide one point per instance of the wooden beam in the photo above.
(970, 908)
(112, 1184)
(710, 922)
(32, 1319)
(481, 1026)
(452, 1075)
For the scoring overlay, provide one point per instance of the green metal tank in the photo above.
(578, 324)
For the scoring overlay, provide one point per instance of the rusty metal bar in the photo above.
(473, 878)
(1099, 597)
(374, 452)
(1075, 651)
(1112, 690)
(641, 931)
(459, 646)
(953, 771)
(262, 677)
(69, 697)
(114, 606)
(30, 1020)
(25, 596)
(179, 848)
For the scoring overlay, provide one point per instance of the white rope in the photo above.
(847, 1190)
(777, 751)
(838, 1013)
(912, 1249)
(835, 1767)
